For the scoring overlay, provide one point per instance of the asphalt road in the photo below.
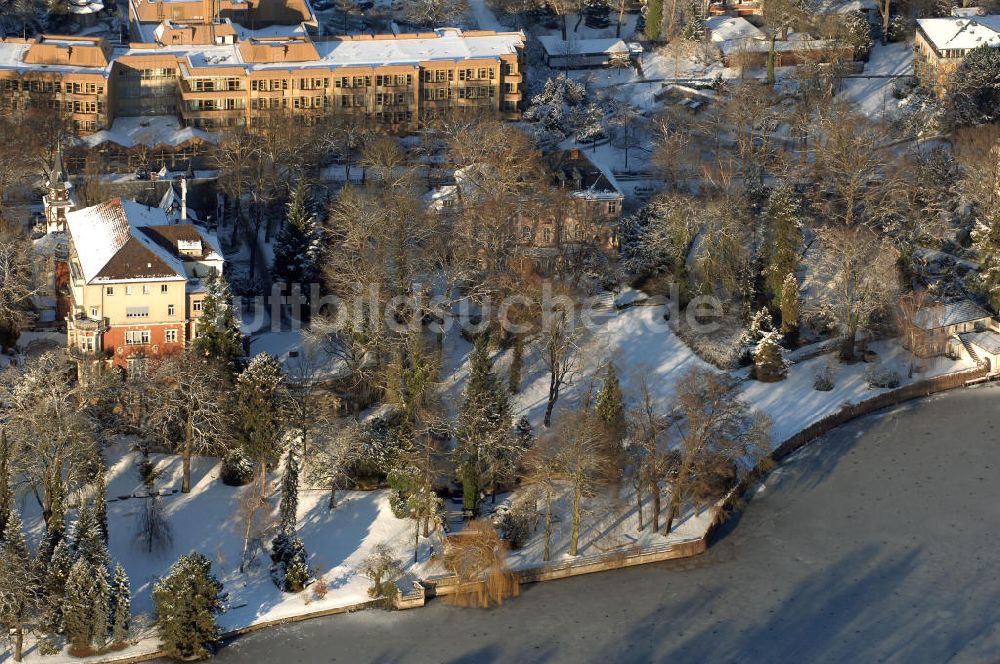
(879, 543)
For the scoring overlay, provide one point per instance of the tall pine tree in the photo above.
(101, 505)
(187, 600)
(53, 583)
(694, 22)
(986, 242)
(654, 20)
(610, 404)
(219, 335)
(78, 605)
(483, 432)
(121, 606)
(261, 399)
(289, 503)
(87, 540)
(790, 304)
(297, 249)
(783, 239)
(18, 585)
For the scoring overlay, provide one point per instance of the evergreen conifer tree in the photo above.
(18, 586)
(483, 427)
(101, 505)
(694, 22)
(187, 601)
(219, 335)
(78, 605)
(261, 397)
(289, 503)
(789, 304)
(100, 608)
(121, 606)
(768, 362)
(986, 242)
(782, 241)
(523, 433)
(296, 251)
(54, 581)
(654, 20)
(87, 540)
(610, 404)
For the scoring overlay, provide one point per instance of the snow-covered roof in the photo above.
(555, 45)
(949, 313)
(961, 33)
(121, 240)
(988, 340)
(13, 53)
(823, 7)
(86, 7)
(728, 28)
(151, 131)
(446, 44)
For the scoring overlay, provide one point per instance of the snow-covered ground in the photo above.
(207, 520)
(610, 523)
(793, 404)
(871, 91)
(636, 339)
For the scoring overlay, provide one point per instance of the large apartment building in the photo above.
(941, 44)
(136, 281)
(216, 75)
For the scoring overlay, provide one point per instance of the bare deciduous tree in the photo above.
(191, 403)
(17, 281)
(332, 457)
(52, 432)
(558, 344)
(720, 438)
(856, 279)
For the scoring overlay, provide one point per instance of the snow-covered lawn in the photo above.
(873, 96)
(610, 523)
(793, 404)
(207, 520)
(636, 339)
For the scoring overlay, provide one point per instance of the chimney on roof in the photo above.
(184, 199)
(574, 153)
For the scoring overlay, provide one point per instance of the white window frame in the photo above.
(131, 338)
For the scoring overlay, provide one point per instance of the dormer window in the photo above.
(189, 247)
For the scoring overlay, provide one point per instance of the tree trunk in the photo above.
(563, 32)
(638, 501)
(186, 465)
(655, 488)
(670, 23)
(18, 642)
(675, 508)
(574, 538)
(516, 363)
(416, 539)
(548, 527)
(333, 498)
(885, 22)
(553, 395)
